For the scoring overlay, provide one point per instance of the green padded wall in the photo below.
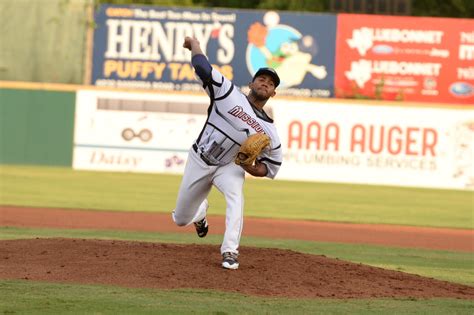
(36, 127)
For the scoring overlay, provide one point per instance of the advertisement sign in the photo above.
(380, 145)
(321, 141)
(141, 47)
(140, 132)
(405, 58)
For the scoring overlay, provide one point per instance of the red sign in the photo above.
(405, 58)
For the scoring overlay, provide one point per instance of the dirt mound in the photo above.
(263, 272)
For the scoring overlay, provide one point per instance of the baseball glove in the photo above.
(251, 148)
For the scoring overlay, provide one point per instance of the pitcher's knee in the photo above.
(180, 221)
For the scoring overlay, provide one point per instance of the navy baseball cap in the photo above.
(271, 72)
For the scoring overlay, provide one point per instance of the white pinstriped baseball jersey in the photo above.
(231, 119)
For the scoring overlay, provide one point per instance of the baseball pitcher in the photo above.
(237, 137)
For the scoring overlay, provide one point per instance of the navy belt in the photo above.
(195, 148)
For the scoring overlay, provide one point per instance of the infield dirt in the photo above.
(263, 272)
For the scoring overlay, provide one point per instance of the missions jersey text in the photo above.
(231, 120)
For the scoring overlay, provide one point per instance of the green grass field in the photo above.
(47, 298)
(29, 298)
(64, 188)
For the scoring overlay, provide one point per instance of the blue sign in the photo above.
(141, 47)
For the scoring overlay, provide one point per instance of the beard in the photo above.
(259, 95)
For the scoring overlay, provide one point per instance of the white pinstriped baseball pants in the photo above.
(197, 181)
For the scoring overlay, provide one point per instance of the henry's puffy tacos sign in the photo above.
(141, 47)
(405, 58)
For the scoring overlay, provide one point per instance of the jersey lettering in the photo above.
(239, 112)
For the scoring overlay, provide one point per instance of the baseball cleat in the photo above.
(229, 260)
(201, 227)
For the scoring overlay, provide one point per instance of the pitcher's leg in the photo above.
(234, 221)
(191, 204)
(229, 180)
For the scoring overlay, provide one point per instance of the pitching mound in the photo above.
(263, 272)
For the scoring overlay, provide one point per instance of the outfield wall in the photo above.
(416, 59)
(364, 142)
(36, 127)
(324, 141)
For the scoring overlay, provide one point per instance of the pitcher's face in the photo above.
(263, 87)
